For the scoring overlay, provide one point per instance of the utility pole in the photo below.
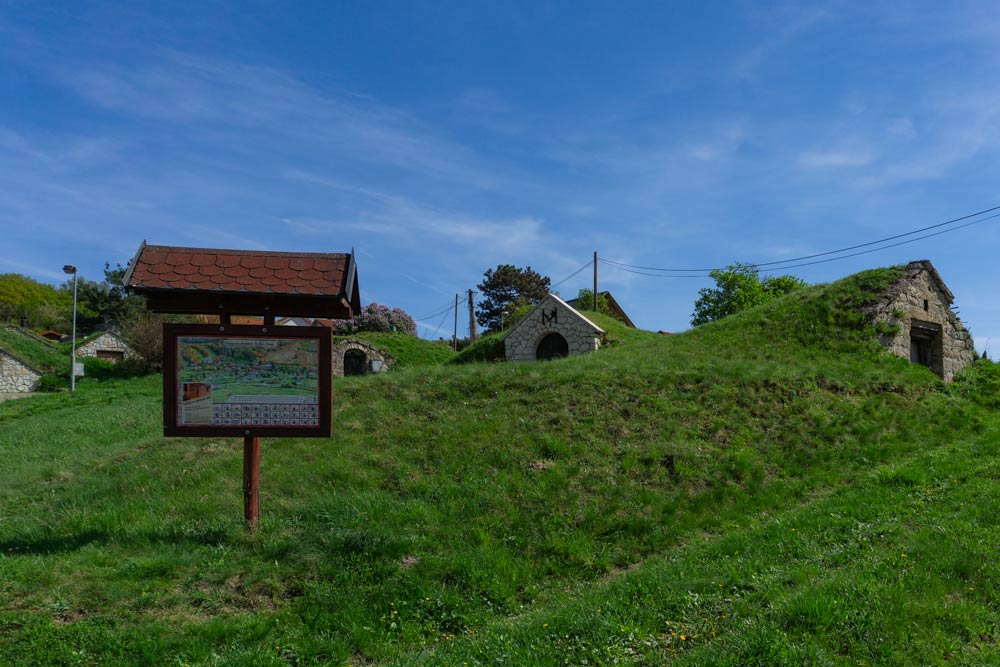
(472, 319)
(595, 281)
(454, 337)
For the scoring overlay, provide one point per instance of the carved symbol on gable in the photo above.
(550, 318)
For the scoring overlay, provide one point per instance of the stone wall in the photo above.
(105, 342)
(921, 296)
(552, 315)
(15, 376)
(371, 353)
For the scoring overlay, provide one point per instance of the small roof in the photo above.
(90, 338)
(553, 297)
(189, 280)
(616, 310)
(21, 361)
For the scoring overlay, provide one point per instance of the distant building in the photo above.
(614, 309)
(17, 377)
(107, 346)
(918, 322)
(551, 330)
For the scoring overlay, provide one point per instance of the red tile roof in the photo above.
(240, 271)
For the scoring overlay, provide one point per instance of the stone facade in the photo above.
(106, 346)
(552, 325)
(916, 322)
(17, 377)
(362, 353)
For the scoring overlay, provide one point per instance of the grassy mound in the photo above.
(37, 352)
(767, 489)
(408, 351)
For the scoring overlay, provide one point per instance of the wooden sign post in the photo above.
(251, 481)
(251, 379)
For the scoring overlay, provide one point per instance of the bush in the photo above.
(144, 334)
(378, 318)
(50, 383)
(980, 381)
(99, 369)
(488, 348)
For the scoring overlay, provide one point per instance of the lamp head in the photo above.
(69, 269)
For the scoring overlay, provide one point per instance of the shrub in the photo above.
(488, 348)
(379, 318)
(50, 383)
(99, 369)
(144, 334)
(980, 381)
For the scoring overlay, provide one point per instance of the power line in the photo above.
(432, 315)
(822, 261)
(829, 252)
(621, 267)
(437, 329)
(572, 275)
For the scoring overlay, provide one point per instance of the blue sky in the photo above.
(441, 139)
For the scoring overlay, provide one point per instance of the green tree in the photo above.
(101, 302)
(738, 287)
(585, 300)
(43, 305)
(504, 290)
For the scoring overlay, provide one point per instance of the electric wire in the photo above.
(437, 329)
(433, 315)
(572, 275)
(824, 254)
(830, 259)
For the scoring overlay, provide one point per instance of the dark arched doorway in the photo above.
(355, 362)
(553, 346)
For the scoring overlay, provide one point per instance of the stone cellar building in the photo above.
(107, 346)
(356, 357)
(17, 377)
(551, 330)
(919, 324)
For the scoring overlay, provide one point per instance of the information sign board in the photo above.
(246, 380)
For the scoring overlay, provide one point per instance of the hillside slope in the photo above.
(37, 352)
(767, 489)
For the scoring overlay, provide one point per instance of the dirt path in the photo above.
(7, 397)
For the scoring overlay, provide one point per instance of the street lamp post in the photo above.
(69, 269)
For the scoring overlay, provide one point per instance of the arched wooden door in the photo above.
(553, 346)
(355, 362)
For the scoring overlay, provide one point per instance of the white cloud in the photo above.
(835, 158)
(267, 108)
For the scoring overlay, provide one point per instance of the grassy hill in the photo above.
(770, 489)
(408, 351)
(37, 352)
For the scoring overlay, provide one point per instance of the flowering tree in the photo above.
(376, 317)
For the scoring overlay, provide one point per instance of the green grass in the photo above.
(39, 353)
(407, 351)
(772, 487)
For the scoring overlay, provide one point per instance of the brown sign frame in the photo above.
(171, 332)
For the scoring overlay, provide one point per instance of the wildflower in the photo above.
(683, 637)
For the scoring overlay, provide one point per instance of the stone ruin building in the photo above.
(919, 324)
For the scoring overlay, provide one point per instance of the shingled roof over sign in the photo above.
(184, 280)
